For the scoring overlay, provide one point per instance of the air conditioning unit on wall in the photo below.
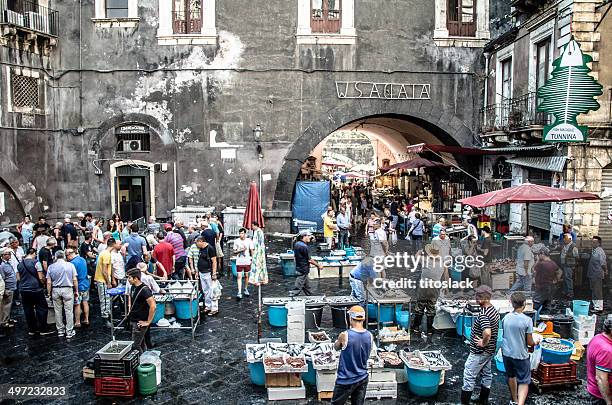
(132, 146)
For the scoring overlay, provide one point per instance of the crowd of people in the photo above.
(65, 263)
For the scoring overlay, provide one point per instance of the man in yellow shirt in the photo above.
(329, 227)
(103, 278)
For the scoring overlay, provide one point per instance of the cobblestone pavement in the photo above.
(211, 369)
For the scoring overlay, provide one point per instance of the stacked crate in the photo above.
(326, 380)
(382, 383)
(283, 386)
(116, 378)
(583, 328)
(296, 321)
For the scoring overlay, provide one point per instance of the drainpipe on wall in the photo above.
(487, 56)
(574, 164)
(80, 63)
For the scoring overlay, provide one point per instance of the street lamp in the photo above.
(257, 132)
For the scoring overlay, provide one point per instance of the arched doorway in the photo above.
(396, 131)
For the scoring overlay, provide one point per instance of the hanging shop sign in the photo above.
(569, 92)
(386, 91)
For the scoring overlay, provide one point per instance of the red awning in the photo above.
(458, 150)
(424, 147)
(415, 163)
(526, 193)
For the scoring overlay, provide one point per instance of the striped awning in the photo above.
(548, 163)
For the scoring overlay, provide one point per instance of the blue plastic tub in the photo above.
(182, 308)
(258, 374)
(160, 309)
(277, 316)
(234, 268)
(462, 321)
(500, 339)
(386, 314)
(288, 266)
(310, 377)
(423, 383)
(455, 275)
(500, 365)
(372, 314)
(558, 357)
(467, 331)
(580, 308)
(459, 325)
(403, 319)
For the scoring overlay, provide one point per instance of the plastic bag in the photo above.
(216, 290)
(535, 357)
(393, 237)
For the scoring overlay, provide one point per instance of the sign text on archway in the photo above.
(388, 91)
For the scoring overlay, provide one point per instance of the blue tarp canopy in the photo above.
(310, 201)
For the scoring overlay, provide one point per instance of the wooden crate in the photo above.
(283, 380)
(323, 395)
(554, 373)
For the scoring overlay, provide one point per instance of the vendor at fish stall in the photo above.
(355, 345)
(359, 277)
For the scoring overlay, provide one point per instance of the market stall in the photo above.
(176, 302)
(383, 303)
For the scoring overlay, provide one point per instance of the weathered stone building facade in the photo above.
(144, 106)
(518, 63)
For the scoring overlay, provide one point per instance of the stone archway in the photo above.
(446, 126)
(23, 189)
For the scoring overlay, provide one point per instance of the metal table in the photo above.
(378, 296)
(191, 289)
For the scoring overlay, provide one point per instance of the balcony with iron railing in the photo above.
(513, 114)
(29, 16)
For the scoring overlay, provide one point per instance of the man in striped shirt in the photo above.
(180, 256)
(482, 348)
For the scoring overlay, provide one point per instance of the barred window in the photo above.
(25, 91)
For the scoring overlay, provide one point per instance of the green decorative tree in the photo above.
(569, 92)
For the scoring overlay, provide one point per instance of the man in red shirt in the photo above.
(164, 253)
(599, 366)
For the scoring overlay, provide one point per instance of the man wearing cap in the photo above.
(569, 258)
(524, 266)
(599, 366)
(63, 288)
(302, 263)
(482, 348)
(10, 285)
(359, 277)
(355, 345)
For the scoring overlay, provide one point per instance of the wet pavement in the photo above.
(212, 369)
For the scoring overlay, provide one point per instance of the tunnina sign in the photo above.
(388, 91)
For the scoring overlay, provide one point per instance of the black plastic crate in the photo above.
(117, 368)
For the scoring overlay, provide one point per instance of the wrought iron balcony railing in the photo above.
(512, 114)
(30, 16)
